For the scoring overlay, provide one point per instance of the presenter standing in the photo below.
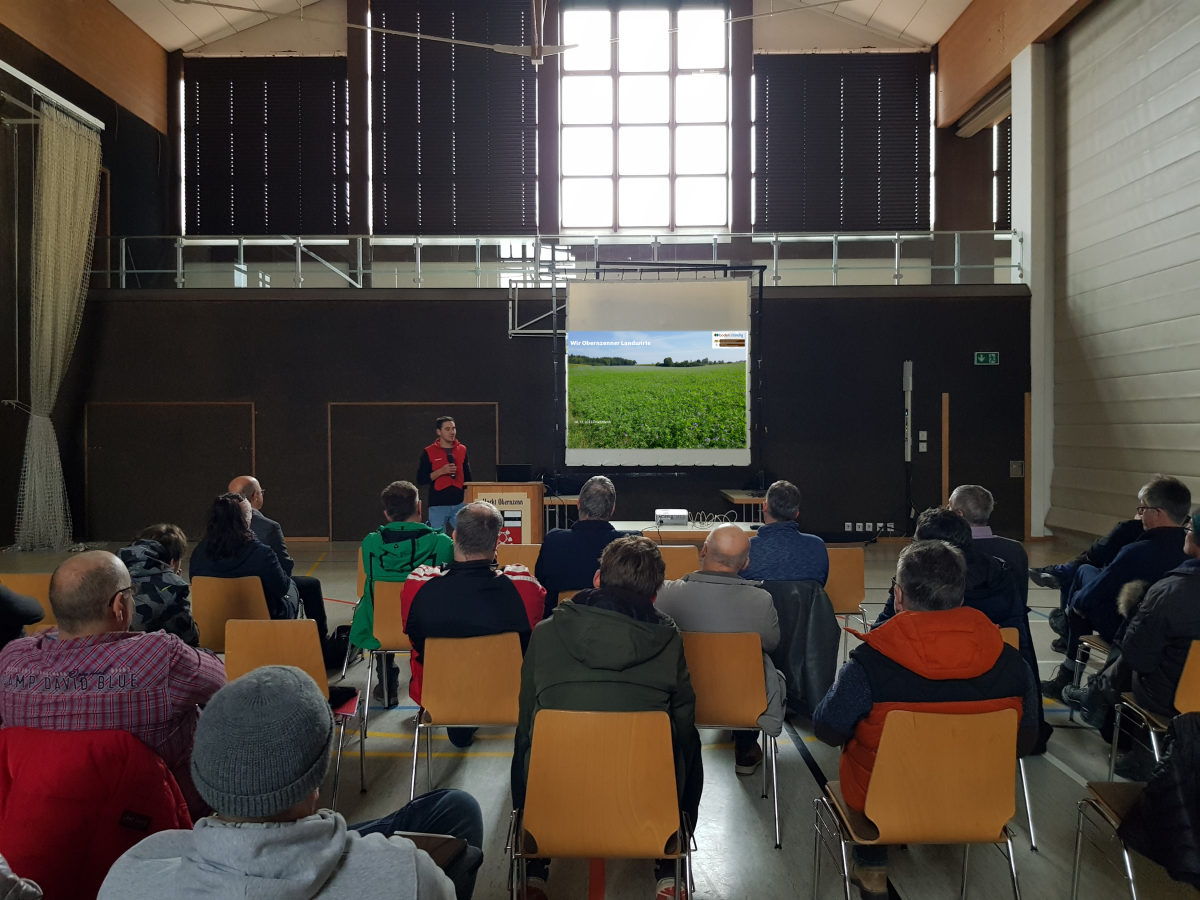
(445, 468)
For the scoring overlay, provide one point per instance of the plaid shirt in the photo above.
(151, 685)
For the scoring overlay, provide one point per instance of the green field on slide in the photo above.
(650, 407)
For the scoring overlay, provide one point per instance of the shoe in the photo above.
(1075, 696)
(871, 880)
(1054, 687)
(1136, 765)
(1043, 577)
(1059, 645)
(747, 763)
(665, 890)
(1058, 621)
(535, 889)
(393, 687)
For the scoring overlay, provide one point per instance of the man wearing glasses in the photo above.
(92, 673)
(1163, 505)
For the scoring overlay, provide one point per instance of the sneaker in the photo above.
(1059, 645)
(871, 880)
(1043, 577)
(535, 889)
(1058, 621)
(665, 890)
(1075, 696)
(747, 763)
(1054, 687)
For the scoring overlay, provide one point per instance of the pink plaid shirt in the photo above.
(151, 685)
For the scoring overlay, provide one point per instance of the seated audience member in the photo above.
(718, 599)
(1164, 503)
(163, 599)
(17, 611)
(780, 551)
(230, 550)
(390, 553)
(262, 751)
(609, 649)
(91, 672)
(975, 504)
(570, 557)
(468, 598)
(935, 654)
(269, 532)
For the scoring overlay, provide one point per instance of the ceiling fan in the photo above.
(536, 51)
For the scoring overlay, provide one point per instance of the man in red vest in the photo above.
(445, 468)
(934, 655)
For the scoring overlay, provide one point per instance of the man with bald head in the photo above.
(718, 599)
(92, 673)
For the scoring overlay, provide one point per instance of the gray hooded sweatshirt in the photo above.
(316, 856)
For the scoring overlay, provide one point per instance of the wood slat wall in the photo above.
(1127, 355)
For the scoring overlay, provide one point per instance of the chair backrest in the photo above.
(847, 583)
(472, 681)
(727, 675)
(566, 595)
(943, 778)
(389, 620)
(1187, 692)
(250, 645)
(1012, 637)
(217, 600)
(601, 785)
(518, 554)
(35, 585)
(362, 576)
(680, 559)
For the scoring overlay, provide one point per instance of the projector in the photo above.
(670, 517)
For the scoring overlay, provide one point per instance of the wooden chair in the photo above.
(1187, 699)
(1113, 801)
(35, 585)
(938, 779)
(217, 600)
(847, 585)
(731, 693)
(601, 786)
(252, 644)
(467, 682)
(1012, 637)
(518, 554)
(680, 559)
(389, 631)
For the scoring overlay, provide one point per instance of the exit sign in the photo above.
(986, 358)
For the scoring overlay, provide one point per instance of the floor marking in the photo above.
(813, 768)
(440, 737)
(333, 600)
(441, 754)
(314, 565)
(1065, 769)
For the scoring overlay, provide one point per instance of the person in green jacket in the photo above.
(610, 650)
(391, 553)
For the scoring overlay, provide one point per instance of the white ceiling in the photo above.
(851, 24)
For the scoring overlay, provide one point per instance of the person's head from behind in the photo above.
(447, 431)
(1164, 502)
(262, 747)
(91, 593)
(401, 502)
(248, 487)
(477, 531)
(941, 524)
(931, 576)
(631, 567)
(973, 502)
(227, 529)
(171, 538)
(597, 498)
(726, 549)
(782, 503)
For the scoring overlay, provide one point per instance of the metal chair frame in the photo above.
(1084, 805)
(1152, 723)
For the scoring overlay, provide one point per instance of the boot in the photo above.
(1054, 687)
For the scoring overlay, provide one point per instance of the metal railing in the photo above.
(505, 261)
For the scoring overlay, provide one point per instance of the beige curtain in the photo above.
(65, 195)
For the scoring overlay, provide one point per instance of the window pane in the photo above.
(644, 151)
(587, 202)
(643, 99)
(645, 201)
(700, 150)
(701, 38)
(591, 30)
(587, 151)
(587, 100)
(700, 201)
(643, 43)
(700, 98)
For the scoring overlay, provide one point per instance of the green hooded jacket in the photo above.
(390, 553)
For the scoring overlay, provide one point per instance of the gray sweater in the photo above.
(314, 857)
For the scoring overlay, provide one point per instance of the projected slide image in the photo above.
(656, 390)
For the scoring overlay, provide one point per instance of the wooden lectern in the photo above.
(519, 501)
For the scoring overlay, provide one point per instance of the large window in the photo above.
(645, 119)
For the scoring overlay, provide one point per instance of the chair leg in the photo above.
(362, 753)
(412, 787)
(1028, 806)
(1155, 745)
(337, 765)
(816, 882)
(1078, 851)
(962, 892)
(766, 761)
(845, 867)
(1012, 864)
(367, 692)
(775, 789)
(1112, 755)
(346, 661)
(1129, 870)
(678, 877)
(429, 755)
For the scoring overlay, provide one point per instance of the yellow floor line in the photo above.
(440, 737)
(314, 565)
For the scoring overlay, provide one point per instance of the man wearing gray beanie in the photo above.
(261, 752)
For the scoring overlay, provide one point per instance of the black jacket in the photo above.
(570, 557)
(809, 638)
(1013, 555)
(255, 558)
(17, 611)
(271, 533)
(1149, 558)
(1159, 636)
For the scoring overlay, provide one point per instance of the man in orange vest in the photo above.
(934, 655)
(445, 468)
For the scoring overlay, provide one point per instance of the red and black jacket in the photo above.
(446, 490)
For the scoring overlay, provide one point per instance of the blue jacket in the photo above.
(1149, 558)
(571, 556)
(782, 552)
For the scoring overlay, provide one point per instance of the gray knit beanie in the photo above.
(262, 743)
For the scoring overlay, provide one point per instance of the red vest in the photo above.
(438, 457)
